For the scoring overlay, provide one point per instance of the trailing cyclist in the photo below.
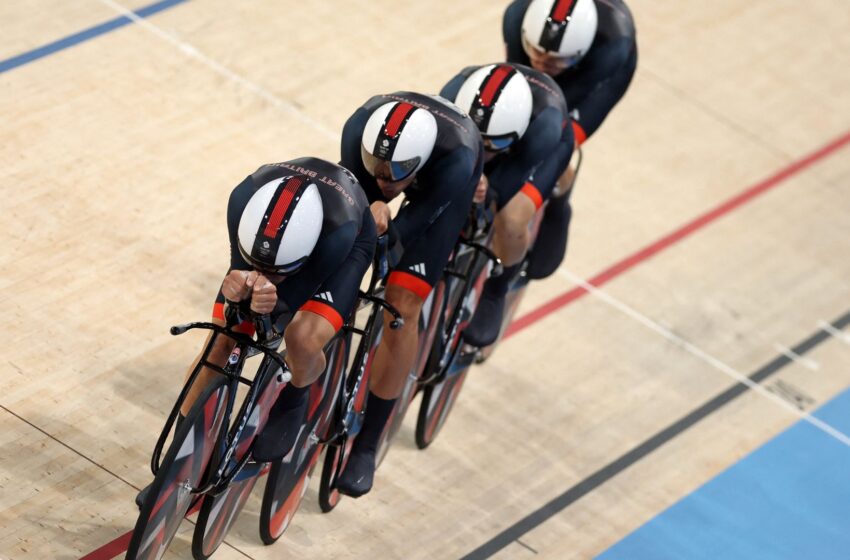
(301, 238)
(523, 118)
(589, 48)
(429, 150)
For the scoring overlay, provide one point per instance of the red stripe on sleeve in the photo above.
(281, 207)
(409, 282)
(529, 190)
(397, 117)
(324, 310)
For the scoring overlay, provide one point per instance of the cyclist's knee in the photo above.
(307, 335)
(406, 302)
(516, 215)
(565, 181)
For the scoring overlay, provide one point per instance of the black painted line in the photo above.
(618, 465)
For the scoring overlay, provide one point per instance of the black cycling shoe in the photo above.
(143, 495)
(551, 244)
(286, 420)
(483, 329)
(359, 473)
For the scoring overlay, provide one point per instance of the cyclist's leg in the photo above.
(549, 248)
(306, 336)
(510, 243)
(554, 228)
(407, 288)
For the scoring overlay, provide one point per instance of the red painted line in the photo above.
(119, 545)
(110, 550)
(677, 235)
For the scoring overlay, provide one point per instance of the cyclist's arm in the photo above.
(446, 183)
(512, 32)
(608, 70)
(238, 265)
(235, 205)
(540, 140)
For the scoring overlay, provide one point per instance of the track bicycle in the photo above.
(208, 462)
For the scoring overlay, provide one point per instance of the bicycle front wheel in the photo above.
(437, 401)
(182, 470)
(218, 513)
(285, 489)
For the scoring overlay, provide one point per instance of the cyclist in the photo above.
(523, 119)
(301, 239)
(424, 147)
(589, 48)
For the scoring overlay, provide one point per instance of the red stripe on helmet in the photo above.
(281, 207)
(562, 10)
(397, 117)
(493, 83)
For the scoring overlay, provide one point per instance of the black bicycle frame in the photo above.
(245, 347)
(466, 277)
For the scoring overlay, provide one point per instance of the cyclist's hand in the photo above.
(237, 284)
(263, 296)
(481, 189)
(382, 216)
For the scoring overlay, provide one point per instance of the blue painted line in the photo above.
(788, 499)
(85, 35)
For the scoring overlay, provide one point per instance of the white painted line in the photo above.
(788, 353)
(711, 360)
(192, 52)
(840, 335)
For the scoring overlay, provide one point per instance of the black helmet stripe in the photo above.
(272, 226)
(387, 139)
(488, 94)
(556, 24)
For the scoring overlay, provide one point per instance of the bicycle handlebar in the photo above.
(241, 338)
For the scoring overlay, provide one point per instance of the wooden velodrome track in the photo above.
(600, 411)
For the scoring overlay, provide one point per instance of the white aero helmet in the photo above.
(397, 140)
(280, 224)
(565, 28)
(498, 98)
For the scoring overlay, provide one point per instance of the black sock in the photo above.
(497, 286)
(289, 398)
(378, 411)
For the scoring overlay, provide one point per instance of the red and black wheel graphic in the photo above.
(437, 402)
(288, 478)
(333, 466)
(182, 470)
(285, 489)
(218, 513)
(328, 494)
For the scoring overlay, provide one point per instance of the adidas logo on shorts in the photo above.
(418, 268)
(326, 296)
